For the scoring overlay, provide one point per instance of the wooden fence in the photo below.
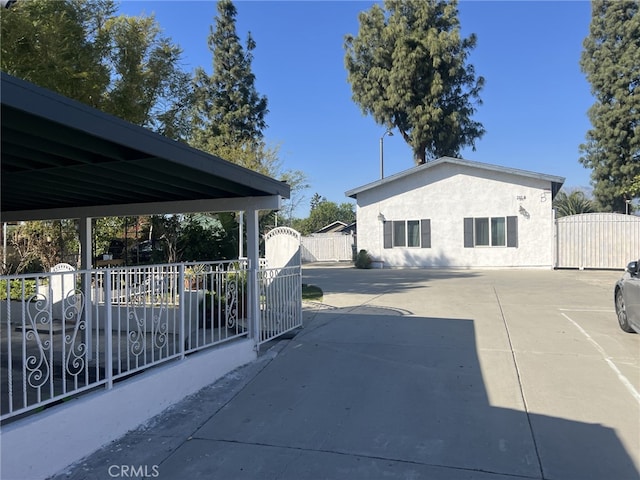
(597, 240)
(328, 247)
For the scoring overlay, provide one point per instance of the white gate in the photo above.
(597, 240)
(280, 284)
(328, 247)
(282, 247)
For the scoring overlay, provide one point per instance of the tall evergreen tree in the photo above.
(229, 112)
(316, 200)
(407, 68)
(611, 62)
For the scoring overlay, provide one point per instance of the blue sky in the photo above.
(535, 99)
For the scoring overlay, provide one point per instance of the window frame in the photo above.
(501, 232)
(479, 228)
(494, 230)
(408, 235)
(421, 229)
(396, 237)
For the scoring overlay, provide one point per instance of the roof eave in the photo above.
(556, 181)
(34, 100)
(219, 179)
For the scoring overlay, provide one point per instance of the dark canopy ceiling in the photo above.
(58, 153)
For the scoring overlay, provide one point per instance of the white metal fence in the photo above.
(62, 333)
(327, 247)
(280, 301)
(597, 240)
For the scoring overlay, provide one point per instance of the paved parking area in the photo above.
(552, 333)
(416, 374)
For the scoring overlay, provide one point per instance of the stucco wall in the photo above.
(446, 194)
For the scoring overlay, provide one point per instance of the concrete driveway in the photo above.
(536, 357)
(407, 374)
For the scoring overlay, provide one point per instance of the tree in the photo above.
(203, 238)
(407, 68)
(42, 244)
(316, 200)
(611, 63)
(57, 45)
(297, 180)
(118, 64)
(635, 186)
(324, 213)
(168, 229)
(121, 65)
(147, 87)
(574, 203)
(229, 114)
(106, 229)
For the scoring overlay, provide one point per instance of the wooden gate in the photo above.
(328, 247)
(597, 240)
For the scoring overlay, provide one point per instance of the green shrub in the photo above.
(311, 293)
(15, 292)
(363, 259)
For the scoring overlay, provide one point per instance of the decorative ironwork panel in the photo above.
(56, 333)
(280, 301)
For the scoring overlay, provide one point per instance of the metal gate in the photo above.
(280, 284)
(597, 240)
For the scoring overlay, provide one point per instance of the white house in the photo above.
(460, 214)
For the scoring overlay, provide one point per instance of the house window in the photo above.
(413, 233)
(491, 232)
(399, 237)
(481, 232)
(407, 233)
(498, 233)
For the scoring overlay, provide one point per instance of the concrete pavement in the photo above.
(415, 374)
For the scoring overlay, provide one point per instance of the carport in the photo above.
(64, 160)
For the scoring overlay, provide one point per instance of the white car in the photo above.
(627, 298)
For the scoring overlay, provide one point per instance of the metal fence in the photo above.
(280, 301)
(597, 240)
(65, 332)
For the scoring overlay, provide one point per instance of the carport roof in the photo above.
(60, 156)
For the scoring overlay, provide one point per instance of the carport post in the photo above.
(253, 257)
(85, 266)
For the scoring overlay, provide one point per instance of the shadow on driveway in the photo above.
(366, 394)
(343, 279)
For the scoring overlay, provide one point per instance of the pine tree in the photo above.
(407, 68)
(316, 200)
(229, 112)
(611, 62)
